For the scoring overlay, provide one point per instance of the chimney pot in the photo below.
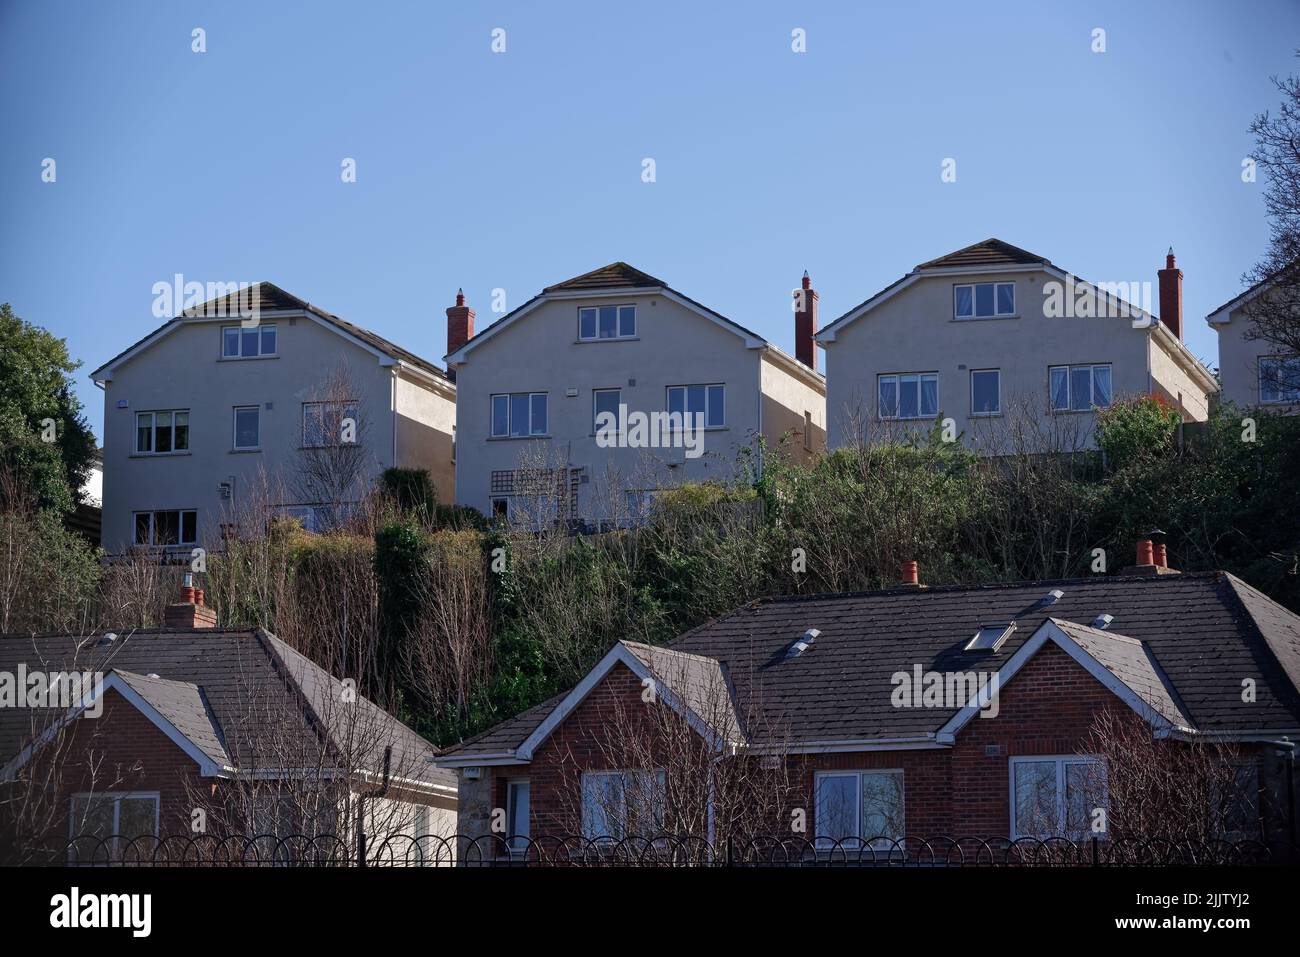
(187, 594)
(805, 324)
(911, 573)
(1161, 556)
(1145, 552)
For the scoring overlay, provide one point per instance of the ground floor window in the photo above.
(621, 804)
(1058, 797)
(859, 809)
(102, 826)
(517, 831)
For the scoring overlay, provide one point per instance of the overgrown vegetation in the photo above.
(458, 623)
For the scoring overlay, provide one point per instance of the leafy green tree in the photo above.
(37, 403)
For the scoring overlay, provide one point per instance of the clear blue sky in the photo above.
(521, 169)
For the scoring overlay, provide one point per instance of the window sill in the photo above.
(911, 418)
(1079, 411)
(245, 451)
(517, 438)
(586, 342)
(985, 415)
(159, 455)
(246, 358)
(1014, 315)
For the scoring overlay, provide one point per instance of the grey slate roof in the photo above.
(266, 704)
(1201, 635)
(1130, 661)
(699, 682)
(181, 704)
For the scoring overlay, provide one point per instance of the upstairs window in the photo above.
(519, 414)
(604, 400)
(157, 433)
(238, 342)
(985, 392)
(912, 395)
(606, 322)
(699, 403)
(984, 300)
(248, 427)
(859, 809)
(323, 423)
(1056, 797)
(1080, 388)
(1279, 379)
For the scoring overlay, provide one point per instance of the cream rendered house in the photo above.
(199, 410)
(530, 388)
(1006, 349)
(1254, 372)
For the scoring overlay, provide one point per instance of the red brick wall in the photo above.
(122, 750)
(1048, 708)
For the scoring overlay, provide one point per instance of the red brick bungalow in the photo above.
(817, 687)
(193, 730)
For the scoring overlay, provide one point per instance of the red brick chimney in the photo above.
(190, 612)
(805, 324)
(1171, 295)
(460, 325)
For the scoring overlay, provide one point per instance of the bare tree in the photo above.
(1199, 790)
(335, 461)
(1275, 315)
(686, 783)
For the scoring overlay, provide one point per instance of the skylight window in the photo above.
(802, 644)
(1102, 621)
(1052, 597)
(991, 637)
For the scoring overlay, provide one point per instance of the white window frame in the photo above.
(509, 432)
(706, 386)
(153, 532)
(114, 848)
(973, 315)
(234, 428)
(1282, 397)
(241, 330)
(624, 773)
(153, 431)
(618, 322)
(1062, 760)
(973, 411)
(826, 842)
(594, 413)
(921, 415)
(1092, 368)
(525, 836)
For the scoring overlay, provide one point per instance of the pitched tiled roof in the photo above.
(615, 275)
(181, 704)
(699, 682)
(266, 704)
(990, 252)
(271, 296)
(1131, 662)
(1192, 640)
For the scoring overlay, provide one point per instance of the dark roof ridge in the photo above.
(973, 586)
